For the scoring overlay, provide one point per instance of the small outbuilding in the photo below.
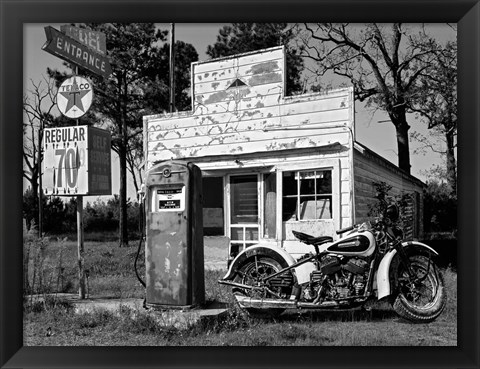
(273, 163)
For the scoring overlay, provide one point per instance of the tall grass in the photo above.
(450, 279)
(51, 266)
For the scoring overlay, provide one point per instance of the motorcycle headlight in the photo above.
(392, 212)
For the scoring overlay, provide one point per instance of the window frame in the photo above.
(298, 174)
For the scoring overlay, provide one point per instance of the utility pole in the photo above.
(172, 67)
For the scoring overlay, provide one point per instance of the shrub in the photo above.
(440, 208)
(60, 217)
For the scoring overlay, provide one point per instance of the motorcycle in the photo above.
(371, 262)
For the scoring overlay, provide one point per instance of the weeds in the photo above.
(96, 318)
(46, 303)
(137, 322)
(37, 277)
(450, 312)
(233, 320)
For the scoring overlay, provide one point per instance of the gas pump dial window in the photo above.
(170, 199)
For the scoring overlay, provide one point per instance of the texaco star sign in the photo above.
(74, 97)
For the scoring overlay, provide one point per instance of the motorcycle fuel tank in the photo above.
(356, 243)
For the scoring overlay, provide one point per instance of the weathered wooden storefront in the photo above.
(272, 163)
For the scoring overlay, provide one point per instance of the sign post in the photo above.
(80, 248)
(77, 162)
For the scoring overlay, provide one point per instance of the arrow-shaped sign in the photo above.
(68, 49)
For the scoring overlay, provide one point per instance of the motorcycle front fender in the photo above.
(384, 287)
(276, 253)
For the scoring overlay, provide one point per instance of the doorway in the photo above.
(244, 212)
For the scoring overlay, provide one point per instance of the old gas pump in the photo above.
(174, 236)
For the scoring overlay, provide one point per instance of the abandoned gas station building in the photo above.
(273, 163)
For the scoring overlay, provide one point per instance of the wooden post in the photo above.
(80, 248)
(40, 190)
(81, 259)
(172, 67)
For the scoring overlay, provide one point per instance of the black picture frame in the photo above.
(15, 13)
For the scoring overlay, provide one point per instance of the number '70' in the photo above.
(68, 160)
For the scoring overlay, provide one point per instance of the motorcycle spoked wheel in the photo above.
(251, 273)
(424, 301)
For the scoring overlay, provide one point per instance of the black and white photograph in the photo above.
(238, 184)
(188, 186)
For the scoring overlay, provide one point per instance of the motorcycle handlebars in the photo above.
(374, 223)
(343, 230)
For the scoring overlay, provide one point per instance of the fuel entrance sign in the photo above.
(76, 161)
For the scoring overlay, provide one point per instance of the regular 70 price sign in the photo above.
(77, 161)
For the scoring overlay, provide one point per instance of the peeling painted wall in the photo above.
(239, 107)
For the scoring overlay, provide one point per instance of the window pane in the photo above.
(289, 183)
(307, 207)
(324, 181)
(251, 234)
(307, 183)
(289, 208)
(236, 234)
(244, 203)
(270, 206)
(324, 207)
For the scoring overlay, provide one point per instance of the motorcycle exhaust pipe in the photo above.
(248, 302)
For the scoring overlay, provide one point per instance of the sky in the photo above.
(371, 128)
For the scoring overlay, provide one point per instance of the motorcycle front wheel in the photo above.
(252, 273)
(421, 300)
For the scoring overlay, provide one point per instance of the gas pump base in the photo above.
(161, 307)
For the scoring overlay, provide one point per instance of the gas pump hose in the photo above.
(136, 270)
(136, 259)
(138, 253)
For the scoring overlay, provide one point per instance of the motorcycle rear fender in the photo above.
(280, 255)
(384, 288)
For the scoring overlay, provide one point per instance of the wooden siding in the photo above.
(253, 118)
(369, 168)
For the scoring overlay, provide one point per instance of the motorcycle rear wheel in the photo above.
(424, 301)
(251, 273)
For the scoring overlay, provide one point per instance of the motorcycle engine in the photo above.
(346, 277)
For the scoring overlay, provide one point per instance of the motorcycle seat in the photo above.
(310, 240)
